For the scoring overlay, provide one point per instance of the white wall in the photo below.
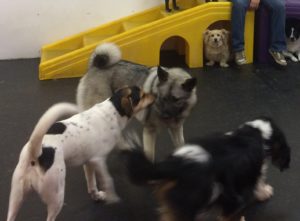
(26, 25)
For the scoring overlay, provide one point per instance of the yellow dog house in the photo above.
(141, 37)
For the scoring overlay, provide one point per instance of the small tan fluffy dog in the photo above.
(216, 47)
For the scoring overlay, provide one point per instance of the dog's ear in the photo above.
(121, 101)
(206, 32)
(280, 150)
(126, 105)
(189, 84)
(206, 35)
(281, 156)
(162, 74)
(135, 95)
(225, 34)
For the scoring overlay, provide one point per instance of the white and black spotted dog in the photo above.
(83, 139)
(225, 171)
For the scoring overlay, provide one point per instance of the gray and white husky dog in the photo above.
(174, 88)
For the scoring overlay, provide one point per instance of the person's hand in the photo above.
(254, 4)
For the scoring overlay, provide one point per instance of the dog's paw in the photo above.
(220, 218)
(242, 218)
(210, 63)
(264, 192)
(98, 195)
(224, 65)
(294, 59)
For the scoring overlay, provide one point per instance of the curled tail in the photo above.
(105, 55)
(53, 114)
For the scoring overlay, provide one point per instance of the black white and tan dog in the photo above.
(174, 89)
(225, 171)
(83, 139)
(292, 31)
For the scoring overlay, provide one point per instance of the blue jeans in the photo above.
(277, 22)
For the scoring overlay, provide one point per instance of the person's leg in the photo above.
(277, 20)
(239, 9)
(238, 14)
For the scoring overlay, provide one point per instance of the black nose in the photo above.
(216, 40)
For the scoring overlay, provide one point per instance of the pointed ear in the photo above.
(126, 105)
(162, 74)
(189, 84)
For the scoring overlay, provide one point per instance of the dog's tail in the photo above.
(53, 114)
(105, 55)
(142, 171)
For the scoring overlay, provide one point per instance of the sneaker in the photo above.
(240, 58)
(278, 57)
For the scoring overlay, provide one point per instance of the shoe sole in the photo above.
(241, 62)
(277, 62)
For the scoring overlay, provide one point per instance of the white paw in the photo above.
(220, 218)
(98, 195)
(224, 65)
(103, 196)
(264, 192)
(294, 59)
(210, 63)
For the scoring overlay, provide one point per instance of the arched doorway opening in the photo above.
(173, 52)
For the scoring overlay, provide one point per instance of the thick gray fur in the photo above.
(107, 72)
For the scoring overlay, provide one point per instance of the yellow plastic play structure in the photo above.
(140, 38)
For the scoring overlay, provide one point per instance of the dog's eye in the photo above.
(218, 35)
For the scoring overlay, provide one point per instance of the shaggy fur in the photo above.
(224, 171)
(174, 88)
(292, 30)
(216, 47)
